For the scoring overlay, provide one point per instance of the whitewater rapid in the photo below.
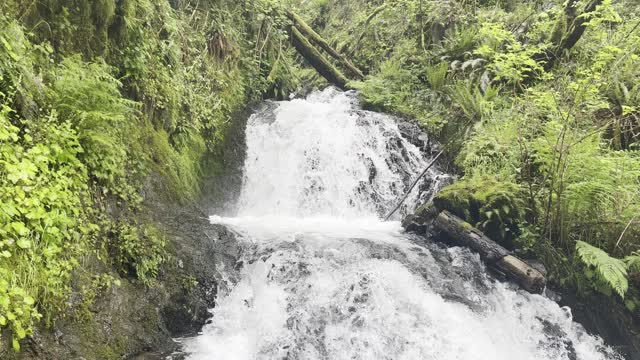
(322, 277)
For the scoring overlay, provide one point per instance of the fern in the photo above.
(437, 75)
(633, 263)
(470, 100)
(607, 270)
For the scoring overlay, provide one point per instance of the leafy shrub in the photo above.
(42, 226)
(472, 101)
(437, 75)
(605, 273)
(138, 251)
(509, 59)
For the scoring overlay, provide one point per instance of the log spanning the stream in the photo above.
(495, 255)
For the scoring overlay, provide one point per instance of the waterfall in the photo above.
(322, 277)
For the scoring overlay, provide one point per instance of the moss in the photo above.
(495, 207)
(180, 166)
(467, 226)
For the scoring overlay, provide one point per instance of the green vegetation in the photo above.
(539, 104)
(96, 96)
(537, 101)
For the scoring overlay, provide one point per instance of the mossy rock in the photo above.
(495, 207)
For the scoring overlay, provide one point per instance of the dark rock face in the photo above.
(222, 167)
(603, 316)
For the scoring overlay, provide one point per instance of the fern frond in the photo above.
(633, 262)
(608, 270)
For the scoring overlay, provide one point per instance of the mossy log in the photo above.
(319, 62)
(462, 233)
(315, 38)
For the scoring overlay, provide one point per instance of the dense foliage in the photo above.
(96, 96)
(538, 104)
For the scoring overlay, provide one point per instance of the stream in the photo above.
(322, 277)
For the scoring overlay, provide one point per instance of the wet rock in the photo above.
(557, 338)
(414, 134)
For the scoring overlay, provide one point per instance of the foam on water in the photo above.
(324, 278)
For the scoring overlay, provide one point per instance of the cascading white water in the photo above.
(324, 278)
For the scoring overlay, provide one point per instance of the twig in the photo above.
(413, 185)
(624, 231)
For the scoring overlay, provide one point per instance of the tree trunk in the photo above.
(569, 32)
(315, 38)
(319, 62)
(462, 233)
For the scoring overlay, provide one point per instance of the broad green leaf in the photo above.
(24, 243)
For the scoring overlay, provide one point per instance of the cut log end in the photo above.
(529, 278)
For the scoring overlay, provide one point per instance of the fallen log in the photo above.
(462, 233)
(315, 59)
(315, 38)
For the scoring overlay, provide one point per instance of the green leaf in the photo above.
(9, 49)
(24, 243)
(20, 333)
(16, 344)
(20, 228)
(633, 262)
(631, 305)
